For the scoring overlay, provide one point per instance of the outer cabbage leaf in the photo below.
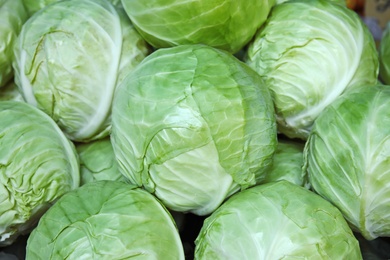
(120, 222)
(277, 220)
(38, 164)
(193, 124)
(98, 162)
(287, 163)
(33, 6)
(225, 24)
(347, 158)
(342, 2)
(12, 17)
(384, 56)
(70, 56)
(10, 92)
(308, 53)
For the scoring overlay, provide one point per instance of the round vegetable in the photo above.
(308, 53)
(120, 222)
(12, 17)
(342, 2)
(277, 220)
(348, 158)
(193, 124)
(287, 163)
(97, 161)
(38, 164)
(225, 24)
(384, 55)
(10, 92)
(70, 56)
(33, 6)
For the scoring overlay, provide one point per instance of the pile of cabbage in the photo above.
(266, 119)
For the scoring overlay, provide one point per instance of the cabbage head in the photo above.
(347, 158)
(38, 164)
(106, 220)
(308, 53)
(277, 220)
(192, 124)
(342, 2)
(287, 163)
(224, 24)
(70, 56)
(33, 6)
(384, 56)
(12, 17)
(97, 161)
(10, 92)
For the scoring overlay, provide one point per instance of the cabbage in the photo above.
(384, 55)
(38, 164)
(308, 53)
(70, 56)
(120, 222)
(192, 124)
(287, 163)
(97, 161)
(10, 92)
(348, 158)
(33, 6)
(277, 220)
(342, 2)
(224, 24)
(12, 17)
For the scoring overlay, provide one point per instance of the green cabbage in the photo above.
(277, 220)
(347, 158)
(384, 55)
(287, 163)
(98, 162)
(70, 56)
(10, 92)
(342, 2)
(225, 24)
(106, 220)
(193, 124)
(12, 17)
(38, 164)
(33, 6)
(308, 53)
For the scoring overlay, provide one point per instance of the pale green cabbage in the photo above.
(384, 55)
(12, 17)
(342, 2)
(277, 220)
(10, 92)
(38, 164)
(192, 124)
(308, 53)
(106, 220)
(98, 162)
(33, 6)
(287, 163)
(348, 158)
(70, 56)
(225, 24)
